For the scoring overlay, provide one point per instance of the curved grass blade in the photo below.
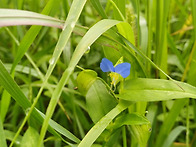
(100, 126)
(99, 8)
(69, 25)
(89, 38)
(8, 84)
(27, 41)
(173, 135)
(12, 17)
(30, 36)
(148, 59)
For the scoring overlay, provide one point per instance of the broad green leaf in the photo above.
(10, 135)
(30, 138)
(23, 69)
(155, 90)
(141, 133)
(12, 17)
(114, 138)
(114, 48)
(140, 126)
(90, 37)
(99, 101)
(126, 31)
(130, 119)
(85, 79)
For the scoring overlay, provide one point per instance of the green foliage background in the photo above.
(53, 92)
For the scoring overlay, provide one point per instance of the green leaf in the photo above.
(30, 36)
(155, 90)
(100, 126)
(14, 90)
(30, 138)
(10, 135)
(144, 34)
(90, 37)
(193, 4)
(99, 101)
(126, 31)
(2, 134)
(130, 119)
(12, 17)
(170, 120)
(85, 79)
(99, 8)
(141, 133)
(173, 135)
(119, 9)
(114, 48)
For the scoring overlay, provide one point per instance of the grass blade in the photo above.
(12, 17)
(100, 126)
(173, 135)
(30, 36)
(170, 121)
(89, 38)
(8, 84)
(99, 8)
(2, 134)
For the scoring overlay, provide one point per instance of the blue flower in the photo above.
(123, 68)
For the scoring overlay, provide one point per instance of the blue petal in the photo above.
(123, 69)
(106, 65)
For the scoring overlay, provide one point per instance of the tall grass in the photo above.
(53, 92)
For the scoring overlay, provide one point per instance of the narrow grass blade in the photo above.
(8, 84)
(30, 36)
(100, 126)
(89, 38)
(99, 8)
(144, 56)
(161, 32)
(119, 10)
(2, 135)
(174, 49)
(150, 23)
(173, 135)
(67, 30)
(170, 121)
(12, 17)
(193, 4)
